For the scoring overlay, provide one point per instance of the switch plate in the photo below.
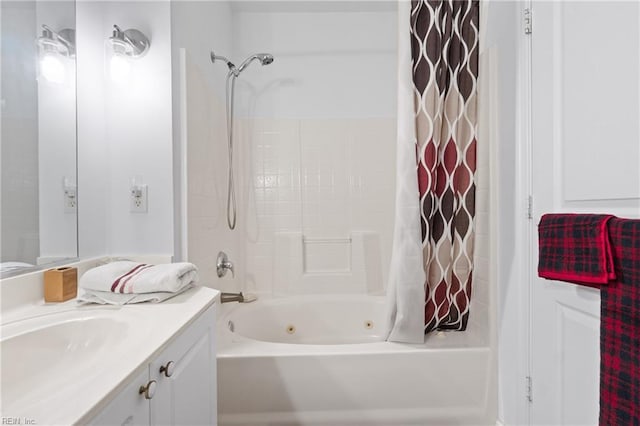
(138, 199)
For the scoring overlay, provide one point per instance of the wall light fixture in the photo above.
(54, 51)
(122, 48)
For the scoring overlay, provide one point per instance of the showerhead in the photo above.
(264, 58)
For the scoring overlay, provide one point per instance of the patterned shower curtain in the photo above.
(444, 50)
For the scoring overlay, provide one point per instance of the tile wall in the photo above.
(322, 179)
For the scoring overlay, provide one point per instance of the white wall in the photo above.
(19, 134)
(124, 130)
(200, 135)
(500, 57)
(327, 64)
(316, 140)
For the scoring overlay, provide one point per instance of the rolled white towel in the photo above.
(126, 277)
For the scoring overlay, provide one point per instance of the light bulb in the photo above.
(120, 68)
(52, 68)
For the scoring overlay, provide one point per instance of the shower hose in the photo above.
(231, 191)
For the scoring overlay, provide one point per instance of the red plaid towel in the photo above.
(620, 329)
(575, 248)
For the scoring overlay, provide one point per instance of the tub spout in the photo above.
(237, 297)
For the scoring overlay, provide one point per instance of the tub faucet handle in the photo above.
(223, 265)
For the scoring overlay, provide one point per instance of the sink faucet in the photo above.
(223, 265)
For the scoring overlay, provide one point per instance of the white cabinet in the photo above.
(128, 407)
(186, 375)
(183, 383)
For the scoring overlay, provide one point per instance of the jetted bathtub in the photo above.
(321, 360)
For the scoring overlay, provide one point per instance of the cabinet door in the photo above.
(129, 407)
(187, 388)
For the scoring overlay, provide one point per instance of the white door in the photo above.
(586, 158)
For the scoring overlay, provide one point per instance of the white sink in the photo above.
(62, 363)
(42, 354)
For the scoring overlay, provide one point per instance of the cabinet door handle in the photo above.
(149, 390)
(168, 369)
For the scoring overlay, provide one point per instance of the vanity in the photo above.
(177, 383)
(105, 365)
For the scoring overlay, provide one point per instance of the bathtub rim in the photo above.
(231, 344)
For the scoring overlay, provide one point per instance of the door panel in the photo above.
(597, 49)
(578, 330)
(585, 157)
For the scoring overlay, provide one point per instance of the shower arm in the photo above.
(232, 68)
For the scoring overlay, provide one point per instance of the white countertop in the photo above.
(71, 388)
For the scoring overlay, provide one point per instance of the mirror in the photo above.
(38, 206)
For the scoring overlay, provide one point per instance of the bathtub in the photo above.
(321, 360)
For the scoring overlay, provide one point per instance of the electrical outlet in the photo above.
(138, 199)
(70, 200)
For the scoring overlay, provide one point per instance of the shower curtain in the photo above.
(437, 127)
